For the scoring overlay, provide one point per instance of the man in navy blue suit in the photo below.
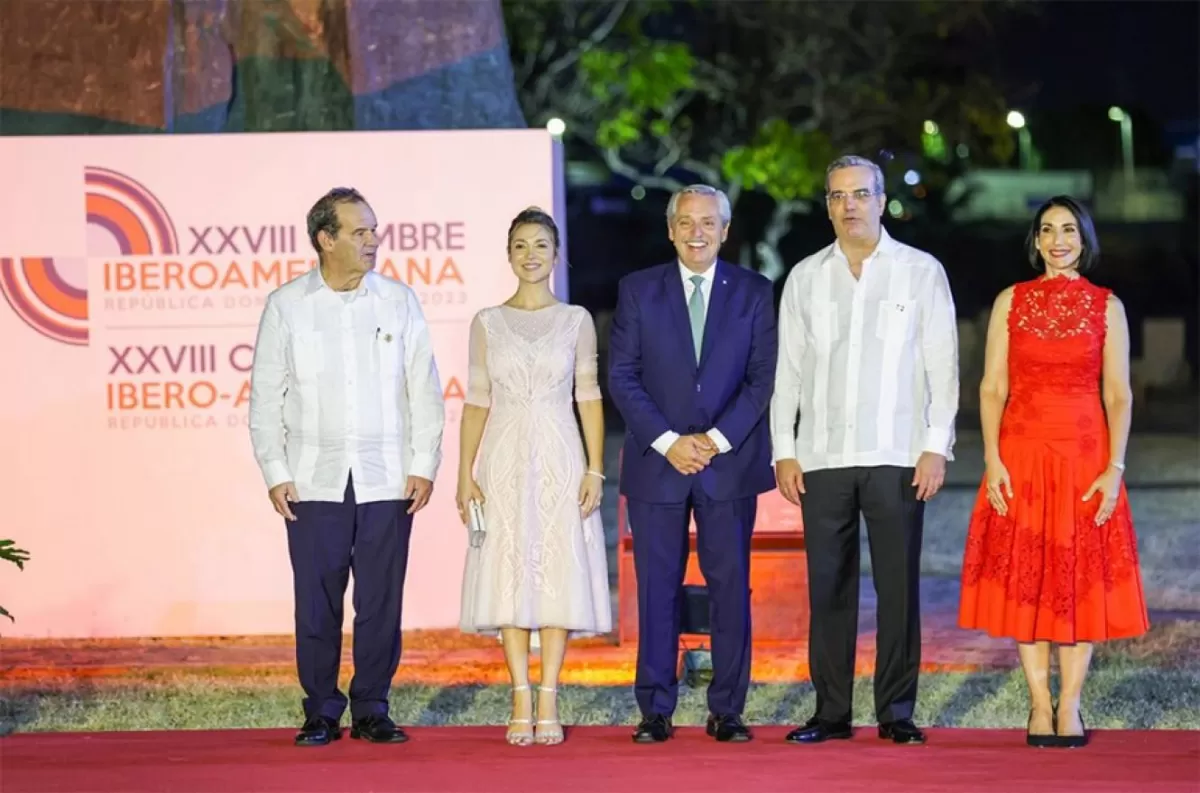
(692, 368)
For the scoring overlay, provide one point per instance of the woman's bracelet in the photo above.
(1119, 466)
(597, 474)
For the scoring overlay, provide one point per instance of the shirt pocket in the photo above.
(897, 319)
(387, 351)
(823, 328)
(386, 344)
(308, 354)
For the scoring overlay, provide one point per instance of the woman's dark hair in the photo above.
(1089, 256)
(534, 216)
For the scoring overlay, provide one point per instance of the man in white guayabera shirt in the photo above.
(346, 419)
(868, 359)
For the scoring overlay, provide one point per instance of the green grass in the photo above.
(1122, 692)
(1151, 682)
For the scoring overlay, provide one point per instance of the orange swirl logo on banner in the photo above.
(44, 300)
(129, 212)
(124, 209)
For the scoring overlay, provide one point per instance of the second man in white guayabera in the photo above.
(868, 361)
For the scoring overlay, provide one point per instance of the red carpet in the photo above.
(593, 759)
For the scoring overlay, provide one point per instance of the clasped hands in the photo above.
(691, 454)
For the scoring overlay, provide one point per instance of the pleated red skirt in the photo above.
(1046, 571)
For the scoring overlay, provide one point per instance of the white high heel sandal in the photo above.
(553, 733)
(520, 736)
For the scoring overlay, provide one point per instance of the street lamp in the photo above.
(1121, 117)
(1017, 121)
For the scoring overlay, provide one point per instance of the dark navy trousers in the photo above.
(326, 542)
(660, 553)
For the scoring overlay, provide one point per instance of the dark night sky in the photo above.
(1143, 54)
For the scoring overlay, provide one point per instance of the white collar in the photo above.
(316, 283)
(885, 244)
(708, 275)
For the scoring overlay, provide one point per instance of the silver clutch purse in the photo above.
(476, 528)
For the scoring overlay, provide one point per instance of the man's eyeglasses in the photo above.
(839, 197)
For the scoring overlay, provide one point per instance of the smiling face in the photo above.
(532, 252)
(1059, 241)
(697, 230)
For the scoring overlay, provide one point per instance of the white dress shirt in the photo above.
(662, 444)
(870, 365)
(345, 383)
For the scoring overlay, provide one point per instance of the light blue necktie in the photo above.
(696, 313)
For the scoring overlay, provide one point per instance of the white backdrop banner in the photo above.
(134, 271)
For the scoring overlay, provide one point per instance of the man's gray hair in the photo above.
(854, 161)
(723, 205)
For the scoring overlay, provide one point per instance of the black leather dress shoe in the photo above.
(653, 729)
(901, 731)
(377, 729)
(817, 731)
(728, 729)
(318, 731)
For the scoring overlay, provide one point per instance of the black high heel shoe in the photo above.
(1073, 741)
(1041, 741)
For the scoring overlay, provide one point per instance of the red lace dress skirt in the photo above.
(1046, 571)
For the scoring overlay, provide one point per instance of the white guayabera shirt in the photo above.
(345, 383)
(870, 365)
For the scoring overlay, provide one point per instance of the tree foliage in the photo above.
(756, 96)
(9, 552)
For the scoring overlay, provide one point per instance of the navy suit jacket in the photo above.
(657, 385)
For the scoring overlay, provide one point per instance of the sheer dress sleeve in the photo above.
(587, 370)
(479, 383)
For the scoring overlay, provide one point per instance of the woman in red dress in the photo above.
(1051, 554)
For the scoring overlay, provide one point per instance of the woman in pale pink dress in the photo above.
(542, 565)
